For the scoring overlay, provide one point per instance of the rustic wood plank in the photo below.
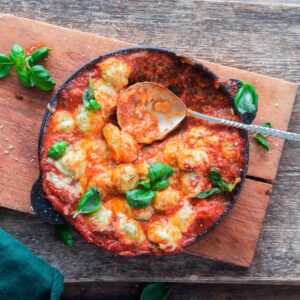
(262, 39)
(124, 291)
(229, 238)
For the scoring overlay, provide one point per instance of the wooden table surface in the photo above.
(264, 38)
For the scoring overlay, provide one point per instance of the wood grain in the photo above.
(264, 39)
(130, 291)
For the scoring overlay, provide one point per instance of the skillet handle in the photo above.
(42, 207)
(232, 86)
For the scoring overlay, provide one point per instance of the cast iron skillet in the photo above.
(44, 209)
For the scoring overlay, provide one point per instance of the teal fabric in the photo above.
(23, 275)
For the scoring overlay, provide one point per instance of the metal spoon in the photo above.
(178, 111)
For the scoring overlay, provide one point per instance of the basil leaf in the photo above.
(209, 193)
(24, 76)
(17, 55)
(58, 149)
(215, 177)
(227, 187)
(140, 198)
(38, 55)
(89, 101)
(156, 291)
(41, 78)
(260, 138)
(159, 171)
(267, 125)
(5, 65)
(64, 233)
(145, 184)
(90, 202)
(261, 141)
(246, 99)
(160, 185)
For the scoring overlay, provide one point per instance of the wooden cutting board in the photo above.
(22, 109)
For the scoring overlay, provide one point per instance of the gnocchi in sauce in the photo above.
(101, 155)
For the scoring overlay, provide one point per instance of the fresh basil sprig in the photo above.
(145, 184)
(38, 55)
(90, 202)
(261, 137)
(157, 181)
(219, 185)
(30, 75)
(58, 149)
(5, 65)
(159, 171)
(246, 99)
(156, 291)
(64, 233)
(160, 185)
(140, 198)
(88, 98)
(209, 193)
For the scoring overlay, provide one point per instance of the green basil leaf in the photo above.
(261, 141)
(64, 233)
(17, 55)
(211, 192)
(38, 55)
(24, 76)
(160, 185)
(140, 198)
(159, 171)
(58, 149)
(5, 65)
(89, 101)
(227, 187)
(145, 184)
(267, 125)
(215, 177)
(246, 99)
(41, 78)
(90, 202)
(156, 291)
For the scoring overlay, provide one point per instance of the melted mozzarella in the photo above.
(166, 199)
(190, 184)
(63, 121)
(105, 96)
(64, 183)
(115, 71)
(171, 150)
(88, 122)
(183, 217)
(165, 234)
(195, 134)
(73, 163)
(103, 181)
(192, 158)
(131, 228)
(101, 218)
(142, 214)
(125, 177)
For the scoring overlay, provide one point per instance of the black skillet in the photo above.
(44, 209)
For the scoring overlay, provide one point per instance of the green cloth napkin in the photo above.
(23, 275)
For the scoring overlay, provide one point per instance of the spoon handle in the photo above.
(264, 130)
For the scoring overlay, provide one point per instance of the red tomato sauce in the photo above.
(224, 147)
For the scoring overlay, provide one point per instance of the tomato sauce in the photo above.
(191, 150)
